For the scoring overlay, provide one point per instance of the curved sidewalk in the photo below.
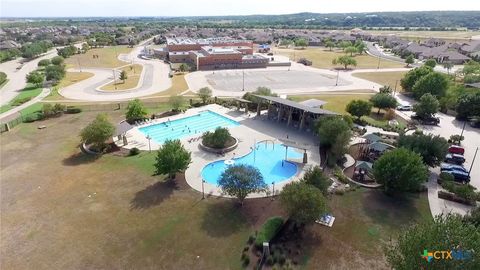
(45, 92)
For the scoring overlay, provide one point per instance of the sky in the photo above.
(110, 8)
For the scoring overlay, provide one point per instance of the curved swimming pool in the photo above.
(267, 157)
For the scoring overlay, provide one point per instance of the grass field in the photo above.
(29, 92)
(457, 35)
(335, 102)
(113, 213)
(322, 58)
(338, 103)
(133, 75)
(107, 58)
(390, 78)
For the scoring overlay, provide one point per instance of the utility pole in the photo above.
(79, 66)
(473, 161)
(378, 65)
(395, 89)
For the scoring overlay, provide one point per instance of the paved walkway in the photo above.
(45, 92)
(154, 79)
(16, 77)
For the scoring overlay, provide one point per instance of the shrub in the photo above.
(445, 177)
(268, 230)
(29, 119)
(270, 260)
(58, 108)
(246, 261)
(73, 110)
(134, 151)
(251, 239)
(217, 139)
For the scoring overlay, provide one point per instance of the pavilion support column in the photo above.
(246, 107)
(258, 108)
(280, 111)
(289, 121)
(269, 111)
(239, 106)
(302, 120)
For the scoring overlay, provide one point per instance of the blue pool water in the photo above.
(268, 160)
(188, 126)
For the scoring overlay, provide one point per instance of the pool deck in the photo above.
(251, 129)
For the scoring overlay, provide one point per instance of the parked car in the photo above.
(445, 167)
(460, 176)
(455, 159)
(455, 149)
(426, 120)
(270, 53)
(405, 108)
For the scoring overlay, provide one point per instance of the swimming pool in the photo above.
(187, 126)
(268, 158)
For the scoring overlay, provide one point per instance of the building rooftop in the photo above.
(296, 105)
(206, 41)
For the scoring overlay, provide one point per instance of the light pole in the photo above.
(203, 189)
(338, 73)
(243, 80)
(114, 80)
(149, 146)
(273, 190)
(473, 161)
(463, 128)
(79, 66)
(378, 65)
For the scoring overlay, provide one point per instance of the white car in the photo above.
(405, 107)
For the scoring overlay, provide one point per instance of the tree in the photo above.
(135, 111)
(345, 61)
(351, 50)
(43, 62)
(444, 233)
(177, 102)
(431, 63)
(241, 180)
(55, 73)
(123, 75)
(400, 170)
(434, 83)
(386, 89)
(57, 60)
(410, 60)
(67, 51)
(329, 44)
(85, 47)
(35, 78)
(172, 158)
(286, 42)
(448, 66)
(315, 177)
(334, 133)
(183, 67)
(427, 107)
(97, 132)
(205, 93)
(359, 108)
(304, 203)
(412, 76)
(217, 139)
(301, 42)
(360, 47)
(468, 105)
(431, 148)
(383, 101)
(344, 44)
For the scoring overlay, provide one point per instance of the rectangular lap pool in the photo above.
(188, 126)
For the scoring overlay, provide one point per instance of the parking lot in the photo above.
(236, 80)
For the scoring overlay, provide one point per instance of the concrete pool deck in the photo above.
(251, 129)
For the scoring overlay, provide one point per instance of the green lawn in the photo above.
(29, 92)
(5, 82)
(322, 58)
(107, 58)
(390, 78)
(335, 102)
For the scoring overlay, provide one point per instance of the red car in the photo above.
(455, 149)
